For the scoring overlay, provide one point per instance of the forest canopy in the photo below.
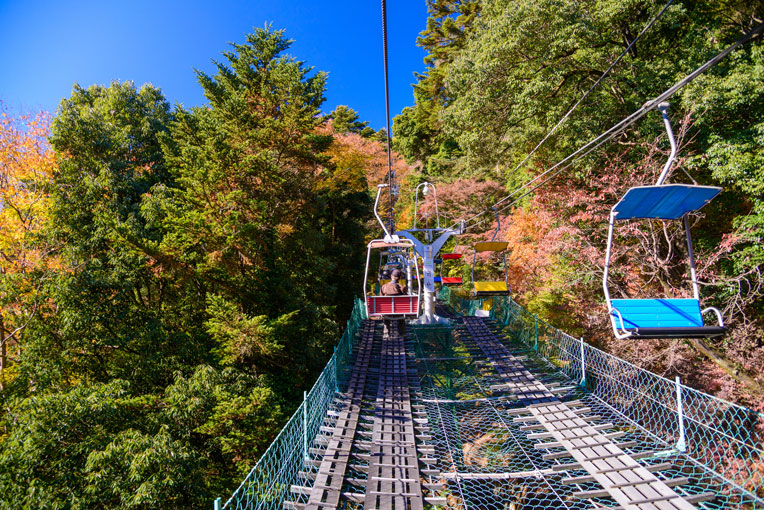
(501, 74)
(173, 278)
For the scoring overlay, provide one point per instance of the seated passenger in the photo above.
(393, 288)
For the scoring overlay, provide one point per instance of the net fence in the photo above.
(486, 460)
(283, 464)
(720, 442)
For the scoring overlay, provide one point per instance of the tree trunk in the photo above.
(730, 367)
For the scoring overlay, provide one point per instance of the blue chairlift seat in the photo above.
(661, 318)
(664, 202)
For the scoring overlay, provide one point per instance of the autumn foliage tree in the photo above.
(206, 255)
(27, 164)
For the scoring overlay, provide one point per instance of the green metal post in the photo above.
(336, 371)
(305, 425)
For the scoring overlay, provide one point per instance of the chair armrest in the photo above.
(719, 318)
(623, 334)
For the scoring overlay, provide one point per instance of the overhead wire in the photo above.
(389, 136)
(586, 94)
(617, 128)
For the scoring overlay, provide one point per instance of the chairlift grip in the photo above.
(663, 107)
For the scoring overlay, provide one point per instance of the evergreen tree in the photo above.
(204, 254)
(346, 120)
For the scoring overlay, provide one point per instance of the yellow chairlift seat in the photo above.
(491, 288)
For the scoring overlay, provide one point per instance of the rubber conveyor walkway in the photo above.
(387, 445)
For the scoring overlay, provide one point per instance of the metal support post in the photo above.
(681, 444)
(536, 332)
(691, 256)
(216, 505)
(351, 338)
(583, 366)
(336, 371)
(305, 425)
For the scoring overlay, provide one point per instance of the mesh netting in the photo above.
(717, 443)
(287, 460)
(485, 459)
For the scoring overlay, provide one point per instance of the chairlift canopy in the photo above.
(665, 202)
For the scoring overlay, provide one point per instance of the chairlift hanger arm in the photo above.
(376, 211)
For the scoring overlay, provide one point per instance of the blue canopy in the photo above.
(667, 202)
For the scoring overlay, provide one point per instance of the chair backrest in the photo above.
(491, 246)
(452, 280)
(667, 202)
(657, 313)
(392, 305)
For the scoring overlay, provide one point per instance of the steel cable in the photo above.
(390, 176)
(619, 127)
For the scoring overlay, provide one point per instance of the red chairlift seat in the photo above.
(450, 280)
(389, 307)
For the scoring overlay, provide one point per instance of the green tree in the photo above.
(204, 256)
(418, 130)
(346, 120)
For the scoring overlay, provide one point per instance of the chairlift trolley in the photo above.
(449, 280)
(661, 317)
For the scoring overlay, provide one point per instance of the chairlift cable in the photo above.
(390, 177)
(586, 94)
(620, 126)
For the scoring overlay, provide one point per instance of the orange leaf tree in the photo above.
(26, 166)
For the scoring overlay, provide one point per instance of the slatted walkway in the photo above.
(327, 488)
(621, 476)
(394, 479)
(377, 454)
(376, 449)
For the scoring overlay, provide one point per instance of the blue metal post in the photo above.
(216, 505)
(681, 444)
(305, 424)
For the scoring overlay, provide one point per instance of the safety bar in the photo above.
(376, 202)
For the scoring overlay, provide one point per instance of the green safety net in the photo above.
(490, 462)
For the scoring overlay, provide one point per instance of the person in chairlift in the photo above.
(393, 288)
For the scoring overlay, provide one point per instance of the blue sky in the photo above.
(47, 46)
